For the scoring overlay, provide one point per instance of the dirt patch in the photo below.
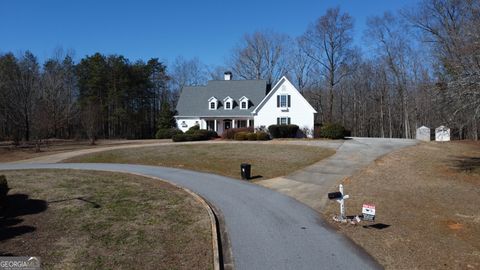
(9, 153)
(427, 200)
(98, 220)
(268, 160)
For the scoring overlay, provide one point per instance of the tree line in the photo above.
(419, 66)
(98, 97)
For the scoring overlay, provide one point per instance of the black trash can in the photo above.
(245, 170)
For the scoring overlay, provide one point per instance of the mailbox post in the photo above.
(340, 198)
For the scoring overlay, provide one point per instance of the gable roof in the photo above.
(272, 92)
(193, 100)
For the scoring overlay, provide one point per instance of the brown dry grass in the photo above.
(9, 153)
(267, 160)
(429, 195)
(98, 220)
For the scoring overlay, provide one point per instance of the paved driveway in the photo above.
(311, 184)
(267, 230)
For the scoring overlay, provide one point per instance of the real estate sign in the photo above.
(368, 211)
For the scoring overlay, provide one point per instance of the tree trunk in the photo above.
(382, 131)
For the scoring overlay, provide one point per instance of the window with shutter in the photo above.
(283, 101)
(289, 101)
(283, 120)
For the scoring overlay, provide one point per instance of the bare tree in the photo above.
(328, 42)
(216, 72)
(387, 35)
(185, 72)
(301, 66)
(261, 55)
(26, 91)
(55, 97)
(451, 28)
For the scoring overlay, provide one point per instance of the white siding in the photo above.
(300, 111)
(190, 122)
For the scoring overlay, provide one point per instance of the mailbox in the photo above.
(335, 195)
(245, 170)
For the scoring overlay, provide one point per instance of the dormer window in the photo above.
(212, 103)
(228, 103)
(243, 103)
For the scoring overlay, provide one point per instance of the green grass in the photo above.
(97, 220)
(268, 160)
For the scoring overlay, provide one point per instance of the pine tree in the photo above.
(166, 118)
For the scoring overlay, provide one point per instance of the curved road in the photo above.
(267, 230)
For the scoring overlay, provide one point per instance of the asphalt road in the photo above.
(267, 230)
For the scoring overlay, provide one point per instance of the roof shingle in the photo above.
(193, 100)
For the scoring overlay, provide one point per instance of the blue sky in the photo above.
(163, 29)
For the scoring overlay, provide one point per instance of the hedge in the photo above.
(230, 133)
(189, 137)
(192, 129)
(251, 136)
(195, 135)
(167, 133)
(283, 131)
(262, 136)
(332, 131)
(240, 136)
(210, 134)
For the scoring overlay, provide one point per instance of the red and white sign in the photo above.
(368, 209)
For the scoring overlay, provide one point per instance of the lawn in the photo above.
(268, 160)
(427, 200)
(98, 220)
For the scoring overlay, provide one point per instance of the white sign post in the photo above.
(341, 201)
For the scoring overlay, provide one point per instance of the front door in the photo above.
(227, 124)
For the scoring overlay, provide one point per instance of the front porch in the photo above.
(219, 125)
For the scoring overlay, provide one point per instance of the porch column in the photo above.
(215, 125)
(233, 123)
(248, 123)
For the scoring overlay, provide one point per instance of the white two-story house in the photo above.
(225, 104)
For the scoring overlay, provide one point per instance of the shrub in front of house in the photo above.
(167, 133)
(210, 134)
(195, 135)
(192, 129)
(240, 136)
(251, 136)
(332, 131)
(189, 137)
(229, 134)
(262, 136)
(283, 131)
(3, 191)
